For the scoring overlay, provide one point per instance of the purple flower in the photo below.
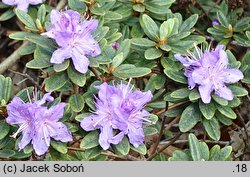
(215, 22)
(115, 45)
(209, 70)
(37, 123)
(22, 4)
(47, 126)
(119, 112)
(74, 39)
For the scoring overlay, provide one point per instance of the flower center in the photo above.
(127, 106)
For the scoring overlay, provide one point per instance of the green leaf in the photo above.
(41, 13)
(208, 110)
(194, 95)
(128, 70)
(223, 19)
(214, 153)
(194, 146)
(142, 149)
(223, 119)
(152, 53)
(61, 67)
(59, 146)
(227, 111)
(150, 27)
(55, 82)
(150, 131)
(177, 76)
(77, 5)
(143, 42)
(4, 129)
(42, 41)
(225, 153)
(238, 91)
(76, 102)
(139, 8)
(189, 23)
(220, 100)
(90, 140)
(180, 93)
(26, 50)
(242, 24)
(6, 88)
(180, 156)
(117, 60)
(41, 59)
(76, 77)
(26, 19)
(212, 127)
(189, 118)
(123, 147)
(80, 117)
(7, 15)
(6, 153)
(204, 151)
(166, 28)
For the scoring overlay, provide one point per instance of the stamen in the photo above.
(28, 96)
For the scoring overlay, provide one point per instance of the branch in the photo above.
(12, 59)
(164, 147)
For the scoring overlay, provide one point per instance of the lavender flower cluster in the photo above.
(37, 123)
(119, 112)
(73, 38)
(210, 71)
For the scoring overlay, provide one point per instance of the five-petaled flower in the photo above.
(22, 4)
(210, 71)
(119, 112)
(37, 123)
(74, 38)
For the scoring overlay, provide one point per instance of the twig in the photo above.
(164, 147)
(108, 154)
(26, 76)
(95, 72)
(223, 143)
(12, 59)
(172, 122)
(170, 107)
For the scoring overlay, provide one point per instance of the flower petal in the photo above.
(209, 60)
(56, 112)
(23, 6)
(89, 46)
(9, 2)
(232, 75)
(105, 135)
(60, 55)
(224, 92)
(41, 140)
(117, 138)
(59, 131)
(26, 138)
(200, 76)
(223, 61)
(87, 27)
(80, 61)
(205, 92)
(90, 123)
(136, 135)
